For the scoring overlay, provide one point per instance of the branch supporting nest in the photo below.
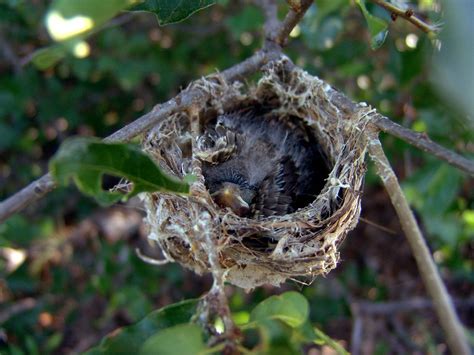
(183, 101)
(276, 36)
(445, 311)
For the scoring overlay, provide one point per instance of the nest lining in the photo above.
(195, 232)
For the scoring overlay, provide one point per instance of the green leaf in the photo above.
(67, 19)
(276, 337)
(70, 22)
(323, 339)
(434, 188)
(180, 339)
(129, 340)
(171, 11)
(290, 307)
(46, 57)
(85, 160)
(378, 28)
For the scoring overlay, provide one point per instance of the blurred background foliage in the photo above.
(69, 273)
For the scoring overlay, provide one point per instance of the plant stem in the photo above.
(408, 15)
(443, 305)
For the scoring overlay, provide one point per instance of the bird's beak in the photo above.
(239, 206)
(232, 199)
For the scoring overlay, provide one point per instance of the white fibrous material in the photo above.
(193, 231)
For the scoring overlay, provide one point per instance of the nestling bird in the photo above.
(258, 163)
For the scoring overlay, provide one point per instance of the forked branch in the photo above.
(183, 101)
(292, 18)
(277, 34)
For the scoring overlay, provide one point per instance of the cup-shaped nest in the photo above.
(250, 250)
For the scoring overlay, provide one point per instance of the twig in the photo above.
(357, 331)
(216, 302)
(292, 18)
(20, 306)
(270, 11)
(377, 226)
(39, 188)
(184, 100)
(444, 308)
(119, 20)
(419, 140)
(423, 142)
(407, 14)
(29, 194)
(45, 184)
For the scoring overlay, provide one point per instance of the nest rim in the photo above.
(192, 229)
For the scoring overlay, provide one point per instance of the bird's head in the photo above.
(233, 196)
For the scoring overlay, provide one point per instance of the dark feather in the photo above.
(275, 160)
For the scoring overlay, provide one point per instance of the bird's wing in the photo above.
(277, 191)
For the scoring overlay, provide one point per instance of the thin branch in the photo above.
(120, 20)
(297, 10)
(270, 11)
(418, 140)
(444, 308)
(182, 101)
(377, 226)
(23, 198)
(423, 142)
(408, 15)
(20, 306)
(357, 332)
(45, 184)
(39, 188)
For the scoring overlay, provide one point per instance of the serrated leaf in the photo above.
(180, 339)
(86, 160)
(378, 28)
(290, 307)
(129, 340)
(171, 11)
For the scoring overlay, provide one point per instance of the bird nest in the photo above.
(248, 252)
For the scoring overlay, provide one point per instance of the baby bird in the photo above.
(259, 164)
